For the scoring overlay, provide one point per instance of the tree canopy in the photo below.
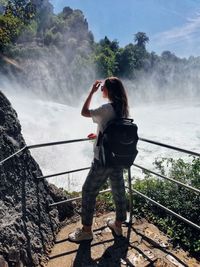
(29, 28)
(141, 39)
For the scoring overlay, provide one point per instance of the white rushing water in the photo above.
(175, 123)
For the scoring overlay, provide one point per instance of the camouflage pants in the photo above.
(96, 177)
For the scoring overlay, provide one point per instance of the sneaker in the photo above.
(80, 235)
(113, 227)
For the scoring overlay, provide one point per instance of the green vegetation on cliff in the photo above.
(32, 26)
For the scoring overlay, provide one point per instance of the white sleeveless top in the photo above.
(101, 116)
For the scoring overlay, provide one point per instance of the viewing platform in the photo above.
(147, 246)
(142, 243)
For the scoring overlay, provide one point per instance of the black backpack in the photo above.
(117, 144)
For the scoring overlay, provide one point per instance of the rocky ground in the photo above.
(147, 246)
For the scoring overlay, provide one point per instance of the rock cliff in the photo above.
(27, 224)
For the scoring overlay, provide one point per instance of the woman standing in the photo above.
(117, 106)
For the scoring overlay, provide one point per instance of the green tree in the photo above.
(169, 56)
(106, 62)
(141, 39)
(126, 61)
(22, 9)
(16, 16)
(113, 45)
(105, 57)
(67, 11)
(10, 28)
(28, 32)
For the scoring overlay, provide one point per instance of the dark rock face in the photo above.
(27, 225)
(58, 195)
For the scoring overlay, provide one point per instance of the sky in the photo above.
(172, 25)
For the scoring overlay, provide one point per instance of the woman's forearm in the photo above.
(85, 109)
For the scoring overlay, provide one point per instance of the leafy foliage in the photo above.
(106, 62)
(113, 60)
(33, 30)
(17, 14)
(10, 29)
(141, 39)
(24, 10)
(126, 61)
(175, 197)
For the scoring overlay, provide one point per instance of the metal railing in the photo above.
(75, 199)
(167, 210)
(13, 155)
(88, 139)
(135, 165)
(170, 147)
(62, 173)
(42, 145)
(167, 178)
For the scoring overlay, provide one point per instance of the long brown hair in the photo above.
(117, 95)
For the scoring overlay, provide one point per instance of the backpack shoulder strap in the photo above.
(100, 135)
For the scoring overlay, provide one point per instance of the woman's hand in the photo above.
(85, 109)
(95, 86)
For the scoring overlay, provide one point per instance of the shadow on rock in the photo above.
(111, 257)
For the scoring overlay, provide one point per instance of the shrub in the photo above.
(175, 197)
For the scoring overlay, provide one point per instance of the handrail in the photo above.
(170, 179)
(142, 195)
(167, 210)
(11, 156)
(61, 173)
(170, 147)
(76, 198)
(58, 143)
(134, 165)
(108, 190)
(43, 145)
(88, 139)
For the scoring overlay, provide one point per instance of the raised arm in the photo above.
(85, 109)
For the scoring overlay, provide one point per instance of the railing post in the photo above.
(130, 196)
(130, 204)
